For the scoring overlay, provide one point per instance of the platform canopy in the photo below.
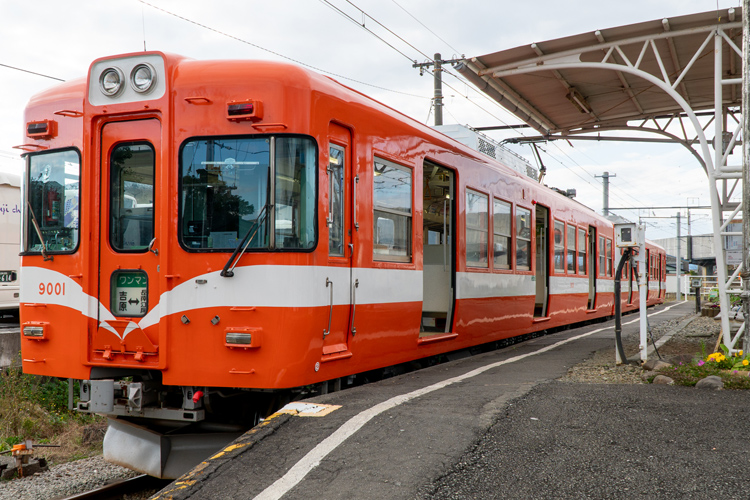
(655, 77)
(570, 84)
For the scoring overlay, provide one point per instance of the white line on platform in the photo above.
(325, 447)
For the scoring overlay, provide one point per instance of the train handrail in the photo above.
(228, 272)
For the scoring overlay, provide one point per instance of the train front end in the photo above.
(150, 187)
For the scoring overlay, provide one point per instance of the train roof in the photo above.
(206, 72)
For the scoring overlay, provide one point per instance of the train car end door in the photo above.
(129, 241)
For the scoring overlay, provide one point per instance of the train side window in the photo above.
(609, 258)
(294, 207)
(502, 234)
(224, 195)
(131, 197)
(559, 247)
(477, 225)
(523, 239)
(582, 251)
(53, 196)
(571, 249)
(602, 256)
(392, 214)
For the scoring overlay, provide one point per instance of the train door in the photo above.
(438, 276)
(649, 273)
(340, 283)
(129, 238)
(542, 262)
(592, 268)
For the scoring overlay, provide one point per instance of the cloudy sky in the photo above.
(45, 40)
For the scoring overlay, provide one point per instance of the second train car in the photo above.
(201, 236)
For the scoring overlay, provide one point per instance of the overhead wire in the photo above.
(393, 33)
(31, 72)
(425, 27)
(296, 61)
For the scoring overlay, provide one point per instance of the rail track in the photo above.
(117, 490)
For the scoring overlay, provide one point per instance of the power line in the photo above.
(32, 72)
(425, 27)
(276, 53)
(362, 25)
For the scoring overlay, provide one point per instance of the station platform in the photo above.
(496, 425)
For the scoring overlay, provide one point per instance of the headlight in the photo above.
(110, 81)
(143, 78)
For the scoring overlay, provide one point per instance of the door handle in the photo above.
(355, 285)
(151, 247)
(330, 311)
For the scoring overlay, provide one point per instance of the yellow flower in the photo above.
(745, 362)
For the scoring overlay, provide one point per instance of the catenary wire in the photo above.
(246, 42)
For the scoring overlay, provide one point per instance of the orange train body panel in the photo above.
(372, 240)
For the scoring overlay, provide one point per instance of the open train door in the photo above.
(129, 240)
(592, 268)
(542, 262)
(439, 263)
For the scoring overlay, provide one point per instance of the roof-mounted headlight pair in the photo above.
(142, 79)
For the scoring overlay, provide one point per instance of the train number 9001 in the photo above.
(51, 288)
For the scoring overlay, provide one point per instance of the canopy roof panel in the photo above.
(601, 78)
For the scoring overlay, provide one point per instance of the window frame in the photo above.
(399, 259)
(574, 260)
(582, 270)
(561, 246)
(486, 229)
(271, 218)
(509, 236)
(529, 268)
(110, 201)
(27, 224)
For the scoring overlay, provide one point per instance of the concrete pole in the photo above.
(438, 99)
(678, 260)
(745, 172)
(605, 199)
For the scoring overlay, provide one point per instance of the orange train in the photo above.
(198, 235)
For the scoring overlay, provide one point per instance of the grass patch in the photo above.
(36, 408)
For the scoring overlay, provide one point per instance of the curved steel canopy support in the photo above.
(493, 81)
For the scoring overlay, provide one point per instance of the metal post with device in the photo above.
(631, 237)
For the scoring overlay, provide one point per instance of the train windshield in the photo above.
(227, 183)
(53, 195)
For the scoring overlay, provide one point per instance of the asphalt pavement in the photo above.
(496, 425)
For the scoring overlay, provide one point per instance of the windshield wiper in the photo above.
(39, 233)
(228, 272)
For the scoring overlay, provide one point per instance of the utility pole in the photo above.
(746, 173)
(437, 99)
(605, 202)
(690, 241)
(678, 260)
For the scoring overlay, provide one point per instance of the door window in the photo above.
(336, 204)
(131, 197)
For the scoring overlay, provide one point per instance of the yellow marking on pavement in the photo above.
(308, 409)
